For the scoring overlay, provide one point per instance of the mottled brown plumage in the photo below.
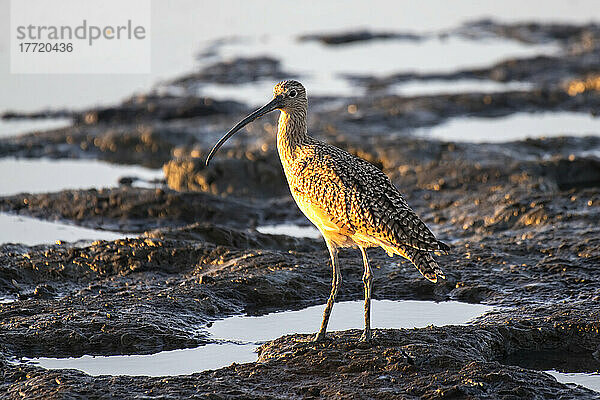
(350, 201)
(358, 199)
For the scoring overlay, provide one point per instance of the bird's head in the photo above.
(288, 96)
(291, 96)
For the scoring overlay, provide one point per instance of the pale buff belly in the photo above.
(339, 235)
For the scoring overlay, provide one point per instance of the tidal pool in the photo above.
(43, 175)
(32, 231)
(325, 74)
(432, 87)
(347, 315)
(174, 362)
(514, 127)
(238, 337)
(290, 230)
(588, 380)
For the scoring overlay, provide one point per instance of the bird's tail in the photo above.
(421, 259)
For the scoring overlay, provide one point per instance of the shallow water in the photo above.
(514, 127)
(43, 175)
(347, 315)
(175, 362)
(31, 231)
(324, 75)
(382, 57)
(14, 127)
(438, 86)
(241, 334)
(588, 380)
(291, 230)
(178, 37)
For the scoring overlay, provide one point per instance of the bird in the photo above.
(349, 200)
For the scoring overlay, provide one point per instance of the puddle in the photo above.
(347, 315)
(382, 57)
(31, 231)
(242, 334)
(291, 230)
(581, 368)
(379, 57)
(589, 380)
(14, 127)
(174, 362)
(42, 175)
(514, 127)
(438, 87)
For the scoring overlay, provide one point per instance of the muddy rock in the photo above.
(139, 144)
(578, 55)
(146, 130)
(540, 70)
(132, 209)
(356, 36)
(236, 71)
(356, 123)
(17, 115)
(574, 172)
(456, 362)
(227, 268)
(399, 114)
(253, 174)
(526, 32)
(90, 309)
(154, 107)
(550, 164)
(238, 238)
(532, 32)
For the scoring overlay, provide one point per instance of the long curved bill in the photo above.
(267, 108)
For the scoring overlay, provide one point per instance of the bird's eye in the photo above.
(292, 93)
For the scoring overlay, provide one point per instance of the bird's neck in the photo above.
(291, 133)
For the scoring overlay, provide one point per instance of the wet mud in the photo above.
(522, 218)
(450, 362)
(133, 209)
(356, 36)
(236, 71)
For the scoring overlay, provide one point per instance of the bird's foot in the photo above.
(319, 337)
(366, 336)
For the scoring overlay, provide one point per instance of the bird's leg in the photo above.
(335, 285)
(368, 281)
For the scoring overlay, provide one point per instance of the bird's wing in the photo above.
(357, 195)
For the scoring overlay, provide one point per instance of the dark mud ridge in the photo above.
(523, 219)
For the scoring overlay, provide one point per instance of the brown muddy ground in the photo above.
(523, 219)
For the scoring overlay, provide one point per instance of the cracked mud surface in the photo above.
(523, 220)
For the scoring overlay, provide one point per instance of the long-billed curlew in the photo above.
(350, 201)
